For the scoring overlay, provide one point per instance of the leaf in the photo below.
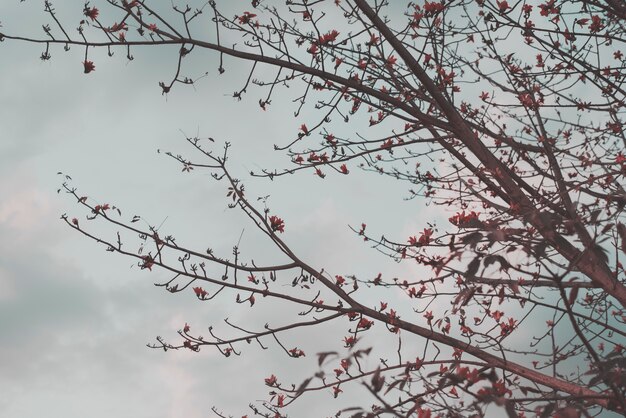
(567, 412)
(547, 410)
(572, 295)
(362, 353)
(464, 296)
(322, 356)
(394, 384)
(490, 259)
(303, 386)
(621, 230)
(509, 407)
(601, 251)
(540, 249)
(472, 267)
(377, 381)
(594, 216)
(472, 239)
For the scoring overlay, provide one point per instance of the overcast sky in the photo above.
(74, 319)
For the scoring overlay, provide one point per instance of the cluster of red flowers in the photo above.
(89, 66)
(271, 381)
(424, 238)
(296, 352)
(102, 208)
(200, 292)
(328, 37)
(432, 8)
(277, 224)
(246, 18)
(365, 323)
(147, 262)
(91, 13)
(461, 219)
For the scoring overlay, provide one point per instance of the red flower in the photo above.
(497, 315)
(336, 391)
(596, 24)
(280, 402)
(148, 262)
(365, 323)
(271, 381)
(344, 169)
(423, 413)
(462, 220)
(339, 280)
(200, 292)
(373, 40)
(277, 224)
(152, 27)
(186, 328)
(117, 27)
(387, 144)
(89, 66)
(296, 352)
(502, 5)
(433, 8)
(425, 237)
(328, 37)
(246, 17)
(304, 129)
(75, 221)
(91, 13)
(429, 316)
(391, 61)
(349, 341)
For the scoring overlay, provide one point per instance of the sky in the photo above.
(75, 319)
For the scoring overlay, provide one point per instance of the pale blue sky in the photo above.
(74, 319)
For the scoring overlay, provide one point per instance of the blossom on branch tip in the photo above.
(147, 263)
(88, 66)
(277, 224)
(328, 37)
(391, 61)
(365, 323)
(296, 352)
(200, 292)
(91, 12)
(246, 18)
